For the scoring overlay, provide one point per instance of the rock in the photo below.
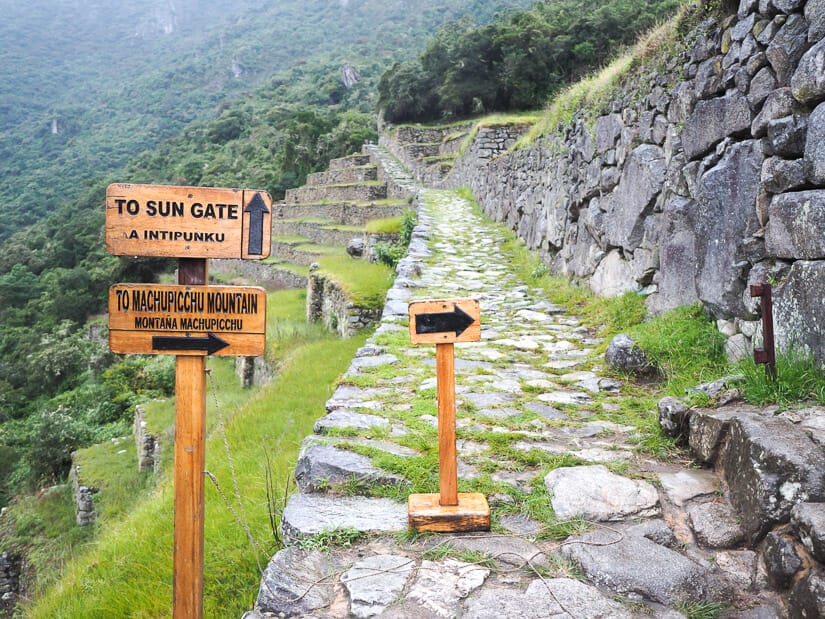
(787, 135)
(708, 82)
(623, 355)
(808, 596)
(787, 47)
(797, 308)
(726, 195)
(322, 467)
(677, 256)
(739, 568)
(815, 16)
(781, 559)
(713, 120)
(709, 427)
(770, 466)
(520, 525)
(634, 565)
(682, 486)
(376, 582)
(607, 130)
(716, 525)
(808, 81)
(791, 218)
(779, 103)
(306, 515)
(761, 86)
(656, 530)
(503, 549)
(815, 146)
(716, 387)
(594, 493)
(548, 412)
(345, 418)
(781, 175)
(296, 582)
(673, 416)
(737, 348)
(356, 247)
(544, 599)
(809, 522)
(613, 277)
(629, 204)
(440, 586)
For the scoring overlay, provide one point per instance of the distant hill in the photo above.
(84, 86)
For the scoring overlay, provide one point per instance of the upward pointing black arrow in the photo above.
(211, 343)
(458, 320)
(256, 209)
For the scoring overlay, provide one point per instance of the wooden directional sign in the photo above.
(187, 222)
(187, 320)
(445, 321)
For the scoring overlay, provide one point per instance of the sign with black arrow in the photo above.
(188, 222)
(187, 320)
(445, 321)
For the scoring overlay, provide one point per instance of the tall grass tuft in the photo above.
(798, 378)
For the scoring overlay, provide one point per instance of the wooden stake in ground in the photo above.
(443, 323)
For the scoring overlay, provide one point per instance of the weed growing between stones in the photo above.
(701, 610)
(334, 538)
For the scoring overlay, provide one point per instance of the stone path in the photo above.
(584, 524)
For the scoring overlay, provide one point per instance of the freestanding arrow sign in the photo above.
(443, 323)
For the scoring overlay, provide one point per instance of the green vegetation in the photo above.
(514, 63)
(798, 378)
(390, 253)
(101, 581)
(365, 283)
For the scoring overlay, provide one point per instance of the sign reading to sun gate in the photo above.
(187, 222)
(187, 320)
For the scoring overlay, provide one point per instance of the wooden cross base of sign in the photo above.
(425, 513)
(443, 323)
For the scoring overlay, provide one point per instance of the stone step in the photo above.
(342, 192)
(347, 213)
(350, 161)
(319, 231)
(333, 176)
(329, 468)
(306, 515)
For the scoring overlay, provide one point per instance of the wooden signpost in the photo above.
(445, 323)
(190, 320)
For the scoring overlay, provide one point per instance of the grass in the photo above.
(365, 283)
(387, 225)
(798, 378)
(127, 572)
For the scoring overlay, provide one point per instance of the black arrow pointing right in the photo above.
(458, 320)
(211, 343)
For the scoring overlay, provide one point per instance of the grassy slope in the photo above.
(127, 571)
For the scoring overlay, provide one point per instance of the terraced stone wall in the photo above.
(329, 304)
(700, 178)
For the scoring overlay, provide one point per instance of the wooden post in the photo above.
(190, 431)
(447, 459)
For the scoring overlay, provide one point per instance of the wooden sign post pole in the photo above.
(447, 459)
(443, 323)
(190, 430)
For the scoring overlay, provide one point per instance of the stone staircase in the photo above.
(323, 216)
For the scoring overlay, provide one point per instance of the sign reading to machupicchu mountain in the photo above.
(187, 222)
(187, 320)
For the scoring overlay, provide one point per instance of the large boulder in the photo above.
(794, 226)
(808, 81)
(677, 257)
(725, 224)
(633, 200)
(787, 47)
(797, 309)
(770, 466)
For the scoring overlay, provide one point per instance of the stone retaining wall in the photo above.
(328, 303)
(10, 567)
(261, 272)
(704, 175)
(148, 445)
(83, 493)
(365, 191)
